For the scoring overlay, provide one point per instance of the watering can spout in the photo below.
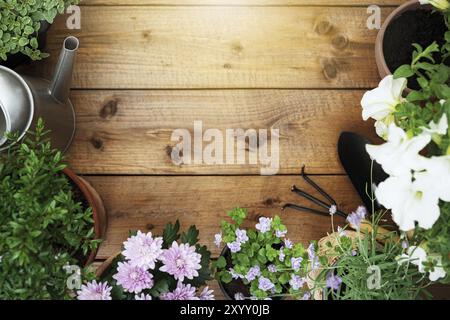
(62, 78)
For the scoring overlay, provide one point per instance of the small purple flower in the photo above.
(143, 297)
(265, 284)
(281, 256)
(234, 246)
(341, 232)
(306, 296)
(354, 253)
(241, 236)
(253, 273)
(296, 282)
(296, 263)
(181, 261)
(133, 278)
(235, 275)
(288, 243)
(333, 281)
(355, 218)
(218, 239)
(313, 259)
(94, 291)
(239, 296)
(332, 210)
(280, 234)
(272, 268)
(182, 292)
(405, 244)
(207, 294)
(264, 224)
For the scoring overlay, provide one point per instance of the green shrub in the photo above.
(20, 21)
(43, 227)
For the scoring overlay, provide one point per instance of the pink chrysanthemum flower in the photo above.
(143, 250)
(182, 292)
(94, 291)
(207, 294)
(133, 278)
(143, 297)
(181, 261)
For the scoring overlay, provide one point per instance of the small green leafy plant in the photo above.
(267, 263)
(43, 226)
(370, 265)
(21, 22)
(171, 267)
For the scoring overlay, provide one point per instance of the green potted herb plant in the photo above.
(23, 28)
(49, 219)
(262, 263)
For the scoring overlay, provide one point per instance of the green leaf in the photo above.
(404, 71)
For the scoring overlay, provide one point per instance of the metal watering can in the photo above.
(25, 99)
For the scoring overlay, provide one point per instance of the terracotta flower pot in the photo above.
(383, 69)
(95, 202)
(106, 265)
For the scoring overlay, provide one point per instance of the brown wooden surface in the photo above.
(148, 203)
(129, 132)
(147, 67)
(246, 2)
(143, 47)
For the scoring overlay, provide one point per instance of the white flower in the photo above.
(381, 102)
(439, 4)
(400, 154)
(382, 126)
(416, 256)
(437, 272)
(439, 128)
(408, 202)
(332, 210)
(436, 177)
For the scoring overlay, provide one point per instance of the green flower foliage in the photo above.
(20, 21)
(263, 250)
(43, 227)
(420, 107)
(356, 259)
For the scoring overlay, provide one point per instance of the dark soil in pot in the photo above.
(415, 26)
(18, 59)
(237, 285)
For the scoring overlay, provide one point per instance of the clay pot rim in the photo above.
(106, 265)
(383, 69)
(80, 184)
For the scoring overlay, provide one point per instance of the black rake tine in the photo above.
(305, 209)
(317, 201)
(317, 187)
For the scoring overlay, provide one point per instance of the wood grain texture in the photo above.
(245, 2)
(149, 47)
(129, 132)
(148, 203)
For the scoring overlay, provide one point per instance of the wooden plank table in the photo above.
(148, 67)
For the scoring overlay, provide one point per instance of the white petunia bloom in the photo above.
(439, 128)
(400, 154)
(381, 102)
(436, 177)
(408, 202)
(382, 126)
(416, 256)
(437, 272)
